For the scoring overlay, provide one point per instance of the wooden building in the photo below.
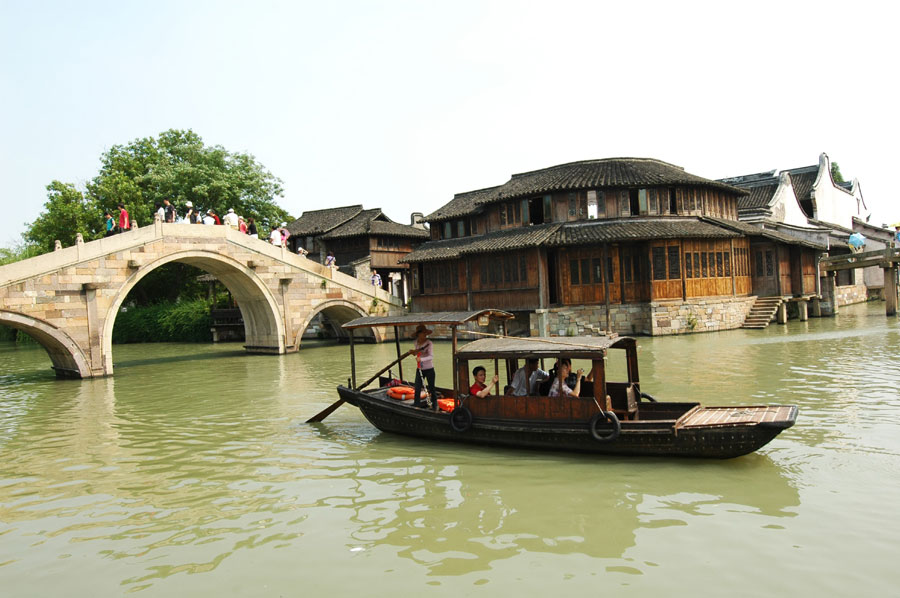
(361, 240)
(632, 245)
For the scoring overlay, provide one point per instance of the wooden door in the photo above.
(634, 274)
(764, 277)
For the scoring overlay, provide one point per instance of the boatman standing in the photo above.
(424, 352)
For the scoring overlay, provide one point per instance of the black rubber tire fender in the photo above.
(648, 396)
(461, 419)
(602, 417)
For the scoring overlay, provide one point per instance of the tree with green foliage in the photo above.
(23, 251)
(836, 173)
(66, 213)
(176, 166)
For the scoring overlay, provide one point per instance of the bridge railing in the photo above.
(885, 258)
(134, 238)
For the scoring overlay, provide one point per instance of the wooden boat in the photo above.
(609, 416)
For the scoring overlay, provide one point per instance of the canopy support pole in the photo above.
(397, 343)
(352, 361)
(455, 371)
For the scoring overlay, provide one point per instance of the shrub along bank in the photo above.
(183, 322)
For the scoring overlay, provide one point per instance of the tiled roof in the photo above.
(761, 195)
(316, 222)
(609, 172)
(750, 230)
(745, 180)
(588, 174)
(572, 233)
(357, 225)
(802, 180)
(631, 229)
(463, 204)
(505, 240)
(830, 225)
(374, 222)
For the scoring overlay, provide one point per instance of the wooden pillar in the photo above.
(803, 306)
(777, 253)
(605, 271)
(733, 265)
(543, 283)
(890, 291)
(469, 285)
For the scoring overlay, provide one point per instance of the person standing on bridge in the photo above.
(251, 228)
(376, 279)
(124, 220)
(169, 210)
(192, 216)
(110, 225)
(285, 233)
(231, 219)
(275, 236)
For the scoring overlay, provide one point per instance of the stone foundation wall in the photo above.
(850, 294)
(699, 315)
(580, 320)
(653, 319)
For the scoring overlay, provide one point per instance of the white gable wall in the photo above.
(832, 203)
(785, 207)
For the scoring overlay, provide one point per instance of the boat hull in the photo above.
(651, 438)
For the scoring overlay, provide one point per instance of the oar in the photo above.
(330, 409)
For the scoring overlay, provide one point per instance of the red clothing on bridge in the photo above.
(124, 222)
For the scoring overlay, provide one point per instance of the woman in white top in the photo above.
(559, 388)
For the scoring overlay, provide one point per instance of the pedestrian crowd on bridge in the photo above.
(166, 212)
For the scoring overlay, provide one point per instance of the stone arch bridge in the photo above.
(68, 300)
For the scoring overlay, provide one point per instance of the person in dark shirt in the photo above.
(169, 210)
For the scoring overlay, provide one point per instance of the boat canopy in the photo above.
(582, 347)
(448, 318)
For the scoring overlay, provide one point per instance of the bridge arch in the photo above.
(340, 311)
(264, 327)
(69, 361)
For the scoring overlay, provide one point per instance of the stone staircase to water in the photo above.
(586, 328)
(762, 312)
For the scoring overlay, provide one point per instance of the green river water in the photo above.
(191, 473)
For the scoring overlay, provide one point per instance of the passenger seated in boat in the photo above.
(526, 381)
(478, 389)
(559, 388)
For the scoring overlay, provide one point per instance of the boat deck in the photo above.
(735, 416)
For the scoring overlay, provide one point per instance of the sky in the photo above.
(401, 104)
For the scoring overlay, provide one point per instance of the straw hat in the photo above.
(421, 328)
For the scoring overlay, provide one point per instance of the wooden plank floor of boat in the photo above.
(732, 416)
